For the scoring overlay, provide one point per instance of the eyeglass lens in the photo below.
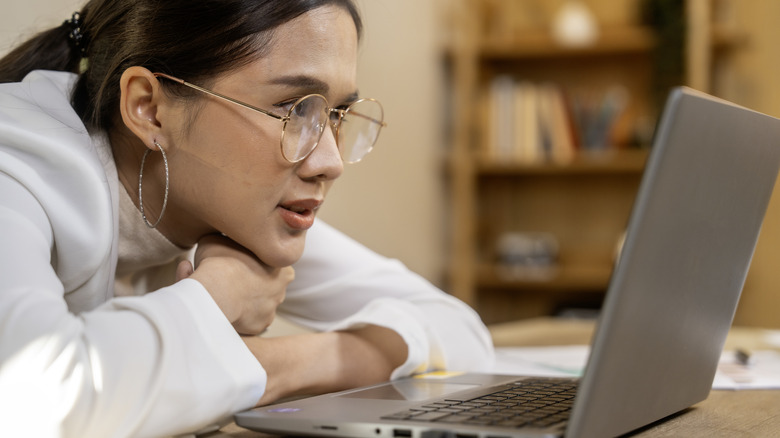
(302, 132)
(358, 131)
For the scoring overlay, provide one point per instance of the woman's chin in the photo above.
(279, 256)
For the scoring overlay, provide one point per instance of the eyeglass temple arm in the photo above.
(221, 96)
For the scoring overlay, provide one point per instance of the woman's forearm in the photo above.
(316, 363)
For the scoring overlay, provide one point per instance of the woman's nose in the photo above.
(325, 161)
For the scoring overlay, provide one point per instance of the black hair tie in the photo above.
(76, 37)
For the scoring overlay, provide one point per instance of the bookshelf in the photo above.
(548, 143)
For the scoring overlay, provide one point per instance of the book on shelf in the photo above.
(530, 122)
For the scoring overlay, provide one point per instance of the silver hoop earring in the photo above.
(140, 187)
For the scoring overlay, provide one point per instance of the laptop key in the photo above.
(538, 404)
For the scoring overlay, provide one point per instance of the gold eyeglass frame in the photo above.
(336, 125)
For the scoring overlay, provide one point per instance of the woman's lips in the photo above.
(300, 214)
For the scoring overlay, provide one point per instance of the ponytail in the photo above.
(48, 50)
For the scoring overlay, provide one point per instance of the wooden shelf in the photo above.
(582, 278)
(609, 161)
(611, 42)
(537, 45)
(723, 38)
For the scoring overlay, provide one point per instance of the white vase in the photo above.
(574, 25)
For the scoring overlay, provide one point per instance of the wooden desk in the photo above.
(723, 414)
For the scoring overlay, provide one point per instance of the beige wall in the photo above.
(23, 18)
(393, 201)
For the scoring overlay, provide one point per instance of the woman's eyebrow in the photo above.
(309, 83)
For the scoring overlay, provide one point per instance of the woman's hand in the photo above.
(246, 290)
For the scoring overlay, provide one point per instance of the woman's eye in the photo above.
(286, 106)
(305, 107)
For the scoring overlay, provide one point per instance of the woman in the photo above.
(161, 162)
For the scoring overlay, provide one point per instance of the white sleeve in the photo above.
(340, 283)
(162, 364)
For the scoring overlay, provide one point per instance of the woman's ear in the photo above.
(141, 95)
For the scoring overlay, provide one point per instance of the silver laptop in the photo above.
(668, 308)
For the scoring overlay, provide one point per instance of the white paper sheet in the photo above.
(762, 370)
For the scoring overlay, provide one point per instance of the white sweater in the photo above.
(75, 360)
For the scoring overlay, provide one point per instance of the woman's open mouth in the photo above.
(299, 215)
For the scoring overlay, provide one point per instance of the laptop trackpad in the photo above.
(409, 389)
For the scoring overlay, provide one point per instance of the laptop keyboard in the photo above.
(529, 402)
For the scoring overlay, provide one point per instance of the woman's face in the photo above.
(227, 171)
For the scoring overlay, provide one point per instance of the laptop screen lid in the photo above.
(689, 243)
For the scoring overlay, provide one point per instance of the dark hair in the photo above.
(196, 40)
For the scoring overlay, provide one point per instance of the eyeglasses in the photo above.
(356, 127)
